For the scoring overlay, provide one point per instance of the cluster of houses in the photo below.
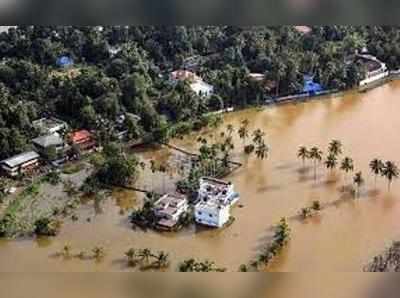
(215, 199)
(55, 146)
(50, 146)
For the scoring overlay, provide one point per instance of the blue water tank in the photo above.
(64, 61)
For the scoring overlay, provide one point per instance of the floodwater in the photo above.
(345, 235)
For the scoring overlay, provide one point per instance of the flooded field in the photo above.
(342, 238)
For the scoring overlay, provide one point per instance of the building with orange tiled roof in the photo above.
(83, 139)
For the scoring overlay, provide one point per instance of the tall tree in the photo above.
(376, 165)
(335, 147)
(303, 153)
(347, 165)
(390, 171)
(315, 156)
(358, 181)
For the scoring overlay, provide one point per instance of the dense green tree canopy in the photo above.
(124, 69)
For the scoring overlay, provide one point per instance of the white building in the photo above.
(198, 86)
(20, 163)
(376, 69)
(215, 200)
(169, 209)
(201, 88)
(49, 126)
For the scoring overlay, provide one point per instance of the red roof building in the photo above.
(83, 138)
(181, 75)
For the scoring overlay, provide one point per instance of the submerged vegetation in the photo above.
(192, 265)
(279, 241)
(389, 261)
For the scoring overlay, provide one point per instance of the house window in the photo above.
(210, 215)
(199, 213)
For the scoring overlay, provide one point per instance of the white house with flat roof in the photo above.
(215, 200)
(20, 163)
(169, 209)
(197, 84)
(48, 126)
(201, 88)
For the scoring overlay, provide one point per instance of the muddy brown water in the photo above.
(341, 239)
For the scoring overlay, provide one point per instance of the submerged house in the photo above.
(169, 209)
(20, 164)
(216, 197)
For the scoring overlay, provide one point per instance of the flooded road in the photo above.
(345, 235)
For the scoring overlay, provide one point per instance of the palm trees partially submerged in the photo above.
(376, 165)
(303, 153)
(316, 156)
(347, 166)
(279, 242)
(335, 148)
(146, 259)
(390, 171)
(358, 181)
(331, 161)
(192, 265)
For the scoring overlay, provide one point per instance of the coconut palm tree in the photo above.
(187, 265)
(230, 129)
(376, 165)
(258, 135)
(98, 253)
(261, 150)
(161, 260)
(244, 131)
(331, 161)
(243, 134)
(315, 156)
(303, 153)
(145, 255)
(131, 254)
(335, 147)
(66, 251)
(390, 171)
(358, 181)
(347, 165)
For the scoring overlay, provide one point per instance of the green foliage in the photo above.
(120, 70)
(192, 265)
(53, 177)
(46, 226)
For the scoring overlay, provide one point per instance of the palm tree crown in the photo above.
(335, 147)
(358, 180)
(303, 153)
(315, 155)
(258, 135)
(262, 150)
(331, 161)
(390, 171)
(347, 164)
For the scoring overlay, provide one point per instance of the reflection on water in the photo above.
(345, 235)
